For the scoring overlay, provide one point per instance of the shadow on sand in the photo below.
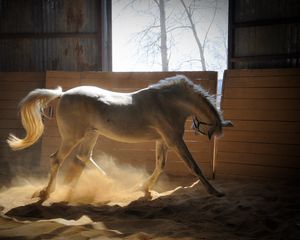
(253, 211)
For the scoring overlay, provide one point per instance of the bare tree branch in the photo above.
(178, 27)
(193, 27)
(157, 40)
(210, 24)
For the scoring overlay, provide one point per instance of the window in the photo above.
(169, 35)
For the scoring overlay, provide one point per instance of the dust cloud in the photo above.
(251, 209)
(121, 185)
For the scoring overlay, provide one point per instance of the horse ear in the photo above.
(227, 123)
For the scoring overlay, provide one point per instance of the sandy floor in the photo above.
(251, 209)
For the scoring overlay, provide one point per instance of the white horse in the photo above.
(156, 113)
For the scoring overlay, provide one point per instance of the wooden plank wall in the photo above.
(141, 154)
(263, 34)
(264, 106)
(55, 35)
(13, 87)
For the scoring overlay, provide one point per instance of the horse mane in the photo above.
(183, 82)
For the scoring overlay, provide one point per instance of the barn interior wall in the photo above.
(264, 106)
(54, 35)
(65, 35)
(264, 34)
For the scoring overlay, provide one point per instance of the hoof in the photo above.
(43, 195)
(145, 190)
(146, 197)
(216, 193)
(220, 194)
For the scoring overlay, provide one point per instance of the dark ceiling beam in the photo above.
(46, 35)
(267, 22)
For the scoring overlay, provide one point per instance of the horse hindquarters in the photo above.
(70, 137)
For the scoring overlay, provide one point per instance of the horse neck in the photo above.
(201, 107)
(212, 112)
(192, 103)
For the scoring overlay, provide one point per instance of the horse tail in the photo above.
(31, 109)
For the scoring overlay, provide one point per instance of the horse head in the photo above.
(210, 129)
(218, 131)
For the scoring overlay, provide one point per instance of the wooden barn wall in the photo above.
(13, 87)
(140, 154)
(264, 106)
(264, 34)
(54, 35)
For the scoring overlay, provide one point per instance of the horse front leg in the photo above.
(161, 157)
(183, 152)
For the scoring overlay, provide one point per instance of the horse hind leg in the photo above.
(57, 159)
(79, 161)
(161, 157)
(84, 153)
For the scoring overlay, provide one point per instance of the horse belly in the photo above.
(128, 133)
